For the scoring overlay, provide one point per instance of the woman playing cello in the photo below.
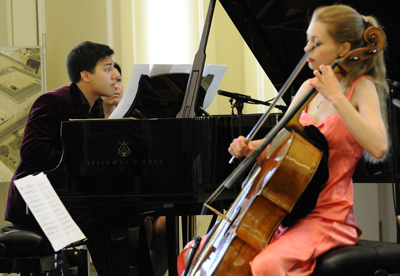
(349, 112)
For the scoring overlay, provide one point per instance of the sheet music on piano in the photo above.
(153, 70)
(49, 211)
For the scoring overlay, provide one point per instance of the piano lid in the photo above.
(275, 31)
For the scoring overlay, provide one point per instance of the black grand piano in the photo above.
(169, 163)
(134, 167)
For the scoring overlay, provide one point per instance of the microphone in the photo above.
(248, 99)
(235, 96)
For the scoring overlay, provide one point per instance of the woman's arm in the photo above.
(365, 120)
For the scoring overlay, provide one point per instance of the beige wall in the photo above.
(3, 198)
(4, 24)
(124, 43)
(226, 48)
(67, 24)
(71, 22)
(18, 24)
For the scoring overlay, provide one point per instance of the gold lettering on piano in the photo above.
(107, 162)
(152, 162)
(124, 162)
(124, 150)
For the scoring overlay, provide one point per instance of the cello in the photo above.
(269, 194)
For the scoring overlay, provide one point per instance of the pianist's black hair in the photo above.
(84, 57)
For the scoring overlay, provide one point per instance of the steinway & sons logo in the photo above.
(124, 150)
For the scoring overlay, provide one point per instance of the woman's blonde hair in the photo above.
(345, 24)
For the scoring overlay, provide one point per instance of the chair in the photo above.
(28, 252)
(367, 258)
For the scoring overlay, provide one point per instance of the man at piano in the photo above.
(91, 71)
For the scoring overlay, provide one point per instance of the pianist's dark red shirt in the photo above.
(41, 144)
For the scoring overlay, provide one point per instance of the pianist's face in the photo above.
(104, 78)
(327, 49)
(116, 97)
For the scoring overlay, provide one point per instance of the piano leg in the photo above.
(172, 243)
(188, 228)
(118, 243)
(107, 245)
(145, 267)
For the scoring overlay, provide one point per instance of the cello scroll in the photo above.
(375, 39)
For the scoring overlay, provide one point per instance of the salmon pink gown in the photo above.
(293, 251)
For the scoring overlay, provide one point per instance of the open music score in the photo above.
(49, 211)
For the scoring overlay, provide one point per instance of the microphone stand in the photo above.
(192, 253)
(394, 88)
(247, 99)
(254, 101)
(238, 104)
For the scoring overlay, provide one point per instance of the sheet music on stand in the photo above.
(49, 211)
(152, 70)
